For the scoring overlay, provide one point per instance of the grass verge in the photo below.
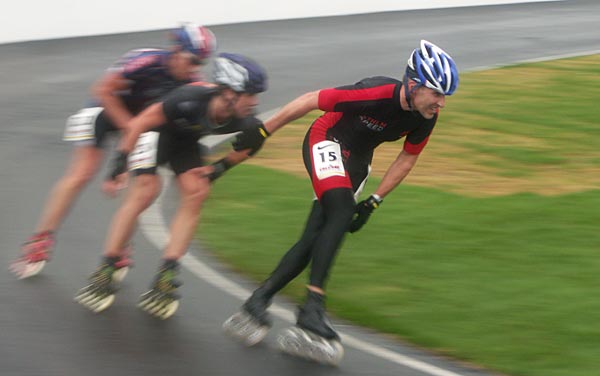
(488, 255)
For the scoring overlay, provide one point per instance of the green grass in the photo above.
(506, 282)
(528, 116)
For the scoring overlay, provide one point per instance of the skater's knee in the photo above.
(147, 188)
(194, 190)
(83, 168)
(79, 178)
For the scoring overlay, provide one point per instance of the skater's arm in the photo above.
(215, 170)
(396, 173)
(151, 117)
(106, 89)
(293, 110)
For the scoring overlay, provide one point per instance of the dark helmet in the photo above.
(240, 73)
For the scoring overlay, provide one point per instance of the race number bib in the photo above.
(80, 127)
(327, 159)
(144, 153)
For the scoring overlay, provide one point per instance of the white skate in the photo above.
(304, 344)
(123, 264)
(35, 252)
(119, 274)
(23, 269)
(245, 328)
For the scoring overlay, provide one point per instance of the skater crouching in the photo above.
(168, 132)
(337, 152)
(138, 79)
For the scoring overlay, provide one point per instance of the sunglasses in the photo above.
(195, 60)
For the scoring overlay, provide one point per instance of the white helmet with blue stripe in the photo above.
(432, 67)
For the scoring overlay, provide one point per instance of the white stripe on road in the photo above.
(153, 225)
(535, 60)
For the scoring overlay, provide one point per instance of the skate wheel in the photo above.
(257, 336)
(232, 323)
(169, 310)
(290, 341)
(245, 328)
(103, 304)
(162, 309)
(330, 353)
(296, 342)
(93, 302)
(119, 274)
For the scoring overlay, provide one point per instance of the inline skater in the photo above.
(337, 152)
(137, 79)
(188, 113)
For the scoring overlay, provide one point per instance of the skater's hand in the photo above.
(251, 138)
(218, 169)
(203, 172)
(363, 212)
(112, 187)
(117, 178)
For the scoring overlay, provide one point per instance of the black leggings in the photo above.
(325, 228)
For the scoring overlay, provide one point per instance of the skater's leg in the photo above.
(141, 194)
(292, 264)
(35, 251)
(84, 164)
(297, 258)
(194, 190)
(162, 300)
(314, 337)
(251, 324)
(338, 207)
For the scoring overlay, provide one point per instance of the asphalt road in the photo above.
(43, 332)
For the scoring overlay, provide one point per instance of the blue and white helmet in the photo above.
(240, 73)
(432, 67)
(196, 39)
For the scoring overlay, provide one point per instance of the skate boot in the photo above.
(35, 252)
(123, 264)
(162, 300)
(313, 337)
(251, 324)
(100, 293)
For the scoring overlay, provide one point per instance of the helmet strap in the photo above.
(408, 92)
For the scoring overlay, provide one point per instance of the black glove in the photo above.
(118, 165)
(363, 212)
(252, 137)
(220, 167)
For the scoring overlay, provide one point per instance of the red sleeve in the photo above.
(345, 99)
(415, 148)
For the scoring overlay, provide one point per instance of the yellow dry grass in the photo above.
(480, 147)
(443, 164)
